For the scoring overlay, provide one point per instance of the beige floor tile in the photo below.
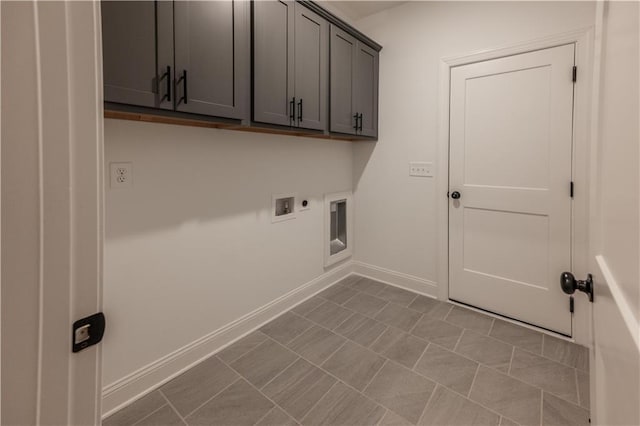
(299, 388)
(136, 411)
(344, 406)
(365, 304)
(437, 331)
(329, 315)
(518, 336)
(584, 389)
(399, 346)
(447, 368)
(194, 387)
(431, 307)
(556, 411)
(350, 280)
(316, 344)
(485, 350)
(286, 327)
(264, 362)
(242, 346)
(397, 295)
(277, 417)
(400, 390)
(449, 408)
(338, 293)
(240, 404)
(472, 320)
(566, 352)
(309, 305)
(546, 374)
(507, 396)
(392, 419)
(368, 285)
(165, 416)
(507, 422)
(354, 365)
(361, 329)
(397, 316)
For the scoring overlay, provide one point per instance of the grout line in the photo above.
(424, 409)
(375, 375)
(218, 393)
(493, 321)
(318, 402)
(424, 351)
(386, 411)
(541, 406)
(473, 381)
(513, 351)
(152, 413)
(172, 406)
(458, 341)
(413, 327)
(280, 373)
(244, 353)
(266, 414)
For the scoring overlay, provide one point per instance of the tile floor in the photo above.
(365, 353)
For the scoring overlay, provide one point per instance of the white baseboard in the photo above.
(397, 279)
(137, 384)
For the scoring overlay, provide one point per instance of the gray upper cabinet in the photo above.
(290, 65)
(212, 57)
(354, 85)
(138, 52)
(366, 90)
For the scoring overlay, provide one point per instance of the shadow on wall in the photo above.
(186, 174)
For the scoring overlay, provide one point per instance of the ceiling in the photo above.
(358, 9)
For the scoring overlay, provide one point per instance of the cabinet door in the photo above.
(273, 62)
(134, 71)
(311, 39)
(343, 52)
(212, 57)
(366, 89)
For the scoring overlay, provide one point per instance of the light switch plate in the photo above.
(121, 175)
(421, 169)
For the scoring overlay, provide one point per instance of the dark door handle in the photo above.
(300, 110)
(183, 80)
(292, 114)
(356, 116)
(361, 122)
(569, 284)
(167, 75)
(455, 195)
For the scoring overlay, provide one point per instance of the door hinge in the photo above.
(571, 307)
(571, 189)
(87, 332)
(575, 74)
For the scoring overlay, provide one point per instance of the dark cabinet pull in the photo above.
(167, 75)
(300, 110)
(292, 107)
(361, 122)
(356, 115)
(183, 79)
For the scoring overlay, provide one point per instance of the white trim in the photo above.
(626, 311)
(396, 279)
(144, 380)
(583, 39)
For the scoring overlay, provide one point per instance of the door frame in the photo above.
(583, 40)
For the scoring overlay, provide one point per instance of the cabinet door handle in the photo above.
(356, 115)
(361, 122)
(183, 80)
(292, 113)
(300, 110)
(167, 75)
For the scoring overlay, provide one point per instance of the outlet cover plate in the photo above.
(421, 169)
(121, 175)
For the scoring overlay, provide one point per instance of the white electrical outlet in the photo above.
(421, 169)
(121, 175)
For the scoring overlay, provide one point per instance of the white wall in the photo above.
(191, 247)
(395, 214)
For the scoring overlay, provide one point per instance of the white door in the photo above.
(51, 210)
(614, 239)
(510, 161)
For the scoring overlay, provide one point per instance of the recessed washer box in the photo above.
(283, 207)
(338, 241)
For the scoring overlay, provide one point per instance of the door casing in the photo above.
(583, 39)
